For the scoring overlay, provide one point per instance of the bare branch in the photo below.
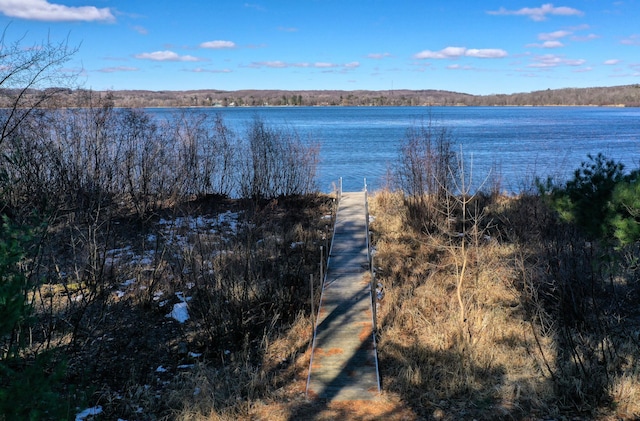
(30, 78)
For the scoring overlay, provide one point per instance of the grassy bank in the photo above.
(201, 312)
(504, 313)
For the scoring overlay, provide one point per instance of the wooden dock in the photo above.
(344, 363)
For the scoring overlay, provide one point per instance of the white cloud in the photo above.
(631, 40)
(273, 64)
(459, 67)
(141, 30)
(448, 52)
(254, 6)
(552, 36)
(118, 69)
(486, 53)
(201, 70)
(318, 65)
(611, 62)
(378, 56)
(589, 37)
(218, 44)
(165, 56)
(539, 13)
(547, 44)
(42, 10)
(552, 60)
(456, 52)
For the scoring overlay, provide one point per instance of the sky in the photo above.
(471, 46)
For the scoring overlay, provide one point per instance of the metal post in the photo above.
(374, 296)
(372, 286)
(321, 264)
(313, 313)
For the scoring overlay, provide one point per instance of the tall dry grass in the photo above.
(516, 352)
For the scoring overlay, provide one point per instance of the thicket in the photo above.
(96, 200)
(90, 157)
(508, 307)
(96, 180)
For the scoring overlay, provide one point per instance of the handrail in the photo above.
(370, 259)
(372, 286)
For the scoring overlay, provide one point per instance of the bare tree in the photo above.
(30, 78)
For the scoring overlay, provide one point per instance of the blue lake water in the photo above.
(514, 144)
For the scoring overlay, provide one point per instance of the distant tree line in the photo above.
(627, 95)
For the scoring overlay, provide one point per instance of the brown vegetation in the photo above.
(535, 327)
(131, 280)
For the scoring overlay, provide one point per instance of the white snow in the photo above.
(81, 416)
(179, 312)
(182, 298)
(129, 282)
(184, 366)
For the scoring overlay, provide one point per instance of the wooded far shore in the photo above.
(621, 96)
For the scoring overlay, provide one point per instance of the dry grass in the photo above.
(503, 360)
(516, 354)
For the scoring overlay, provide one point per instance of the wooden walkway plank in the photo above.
(343, 360)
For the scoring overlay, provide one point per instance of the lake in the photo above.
(515, 144)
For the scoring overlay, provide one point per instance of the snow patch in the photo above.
(179, 312)
(83, 415)
(129, 282)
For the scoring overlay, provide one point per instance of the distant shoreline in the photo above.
(615, 96)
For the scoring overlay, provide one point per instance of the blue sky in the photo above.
(477, 47)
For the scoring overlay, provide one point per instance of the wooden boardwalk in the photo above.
(344, 363)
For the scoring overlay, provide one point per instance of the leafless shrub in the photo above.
(206, 152)
(143, 169)
(276, 163)
(425, 172)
